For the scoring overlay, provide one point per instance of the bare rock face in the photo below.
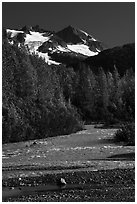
(76, 36)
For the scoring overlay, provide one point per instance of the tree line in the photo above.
(105, 96)
(41, 100)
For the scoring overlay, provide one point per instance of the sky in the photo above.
(113, 23)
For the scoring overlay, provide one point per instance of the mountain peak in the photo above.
(67, 43)
(69, 35)
(73, 35)
(26, 29)
(70, 27)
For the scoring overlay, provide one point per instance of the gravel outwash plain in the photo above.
(117, 185)
(93, 166)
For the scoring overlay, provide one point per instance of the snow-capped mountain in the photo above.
(74, 36)
(53, 47)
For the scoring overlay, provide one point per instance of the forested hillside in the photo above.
(33, 102)
(105, 97)
(41, 100)
(123, 57)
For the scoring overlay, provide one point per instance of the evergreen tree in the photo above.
(128, 96)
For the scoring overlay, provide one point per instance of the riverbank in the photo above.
(94, 167)
(116, 185)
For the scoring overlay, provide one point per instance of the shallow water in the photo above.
(24, 191)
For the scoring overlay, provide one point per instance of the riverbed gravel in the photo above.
(117, 185)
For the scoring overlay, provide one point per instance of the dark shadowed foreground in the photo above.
(104, 185)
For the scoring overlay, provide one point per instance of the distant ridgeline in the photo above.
(71, 46)
(122, 57)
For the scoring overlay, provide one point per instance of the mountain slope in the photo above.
(53, 46)
(122, 57)
(74, 36)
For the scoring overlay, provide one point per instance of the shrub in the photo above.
(126, 134)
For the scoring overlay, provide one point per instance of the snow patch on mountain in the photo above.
(94, 39)
(44, 44)
(63, 49)
(83, 32)
(35, 36)
(88, 36)
(13, 33)
(82, 49)
(46, 58)
(97, 50)
(33, 41)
